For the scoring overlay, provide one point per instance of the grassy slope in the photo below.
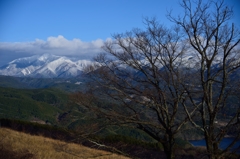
(21, 145)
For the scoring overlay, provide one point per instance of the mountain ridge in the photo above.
(52, 66)
(45, 66)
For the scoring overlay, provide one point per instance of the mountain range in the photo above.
(52, 66)
(44, 66)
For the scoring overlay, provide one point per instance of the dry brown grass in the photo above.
(21, 145)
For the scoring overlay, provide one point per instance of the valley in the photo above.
(43, 106)
(42, 102)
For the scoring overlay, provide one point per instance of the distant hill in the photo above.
(69, 85)
(42, 105)
(46, 106)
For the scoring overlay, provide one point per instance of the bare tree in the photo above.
(215, 42)
(143, 76)
(158, 79)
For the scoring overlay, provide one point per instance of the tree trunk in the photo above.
(212, 148)
(168, 146)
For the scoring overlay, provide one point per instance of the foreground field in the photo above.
(15, 145)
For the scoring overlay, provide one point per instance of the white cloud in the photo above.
(53, 45)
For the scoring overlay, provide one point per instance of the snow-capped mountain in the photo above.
(51, 66)
(44, 66)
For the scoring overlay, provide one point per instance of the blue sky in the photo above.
(87, 20)
(79, 26)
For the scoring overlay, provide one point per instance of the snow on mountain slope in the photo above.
(51, 66)
(44, 66)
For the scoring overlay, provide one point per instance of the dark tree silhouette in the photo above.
(216, 44)
(144, 75)
(158, 79)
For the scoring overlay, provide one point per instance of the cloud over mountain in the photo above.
(53, 45)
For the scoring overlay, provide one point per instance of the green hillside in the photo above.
(40, 105)
(45, 106)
